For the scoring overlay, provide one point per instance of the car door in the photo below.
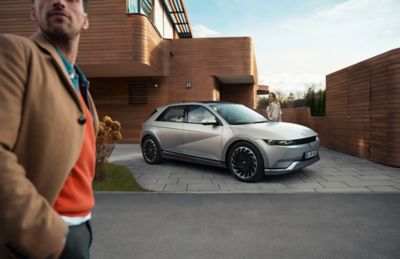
(169, 129)
(202, 134)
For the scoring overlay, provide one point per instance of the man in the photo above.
(48, 125)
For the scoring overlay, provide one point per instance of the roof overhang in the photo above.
(235, 79)
(262, 89)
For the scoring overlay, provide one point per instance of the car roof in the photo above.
(195, 103)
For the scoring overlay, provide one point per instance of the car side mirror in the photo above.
(210, 121)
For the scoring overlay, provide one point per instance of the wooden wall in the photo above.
(385, 108)
(120, 50)
(302, 116)
(362, 110)
(229, 93)
(15, 17)
(199, 60)
(194, 61)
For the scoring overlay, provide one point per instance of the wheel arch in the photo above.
(235, 140)
(146, 134)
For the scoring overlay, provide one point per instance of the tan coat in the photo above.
(40, 141)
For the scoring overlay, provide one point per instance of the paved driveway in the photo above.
(335, 172)
(239, 226)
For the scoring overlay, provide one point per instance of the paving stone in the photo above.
(186, 174)
(376, 177)
(295, 190)
(167, 181)
(304, 186)
(227, 187)
(334, 185)
(269, 186)
(383, 189)
(344, 190)
(339, 178)
(187, 180)
(246, 187)
(175, 188)
(203, 187)
(369, 183)
(154, 187)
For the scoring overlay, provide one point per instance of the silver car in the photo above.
(228, 135)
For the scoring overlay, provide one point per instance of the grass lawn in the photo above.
(118, 178)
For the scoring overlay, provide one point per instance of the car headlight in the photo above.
(279, 142)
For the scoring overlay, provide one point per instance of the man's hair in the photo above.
(84, 2)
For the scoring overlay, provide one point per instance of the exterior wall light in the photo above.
(156, 85)
(188, 85)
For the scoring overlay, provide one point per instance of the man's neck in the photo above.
(68, 48)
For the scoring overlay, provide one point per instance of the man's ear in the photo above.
(33, 14)
(85, 24)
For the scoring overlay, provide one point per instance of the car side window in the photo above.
(198, 114)
(173, 114)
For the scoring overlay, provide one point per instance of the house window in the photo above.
(140, 6)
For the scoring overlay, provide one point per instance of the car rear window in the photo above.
(173, 114)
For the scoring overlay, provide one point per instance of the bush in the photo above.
(109, 134)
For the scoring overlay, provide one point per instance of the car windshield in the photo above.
(236, 114)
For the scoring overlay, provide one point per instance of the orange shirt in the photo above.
(76, 197)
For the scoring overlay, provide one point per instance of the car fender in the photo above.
(148, 133)
(245, 138)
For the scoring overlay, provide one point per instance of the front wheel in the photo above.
(245, 162)
(151, 150)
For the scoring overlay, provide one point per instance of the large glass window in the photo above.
(140, 6)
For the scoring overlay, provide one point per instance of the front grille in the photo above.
(304, 140)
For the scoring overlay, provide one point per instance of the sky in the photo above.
(298, 42)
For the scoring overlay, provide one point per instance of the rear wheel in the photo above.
(151, 150)
(245, 162)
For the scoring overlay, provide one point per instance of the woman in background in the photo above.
(274, 112)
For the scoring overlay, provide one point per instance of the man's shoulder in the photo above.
(12, 41)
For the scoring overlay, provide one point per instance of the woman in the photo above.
(274, 112)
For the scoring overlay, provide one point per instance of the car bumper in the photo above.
(294, 166)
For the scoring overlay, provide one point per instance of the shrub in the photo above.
(109, 134)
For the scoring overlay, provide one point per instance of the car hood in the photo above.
(274, 130)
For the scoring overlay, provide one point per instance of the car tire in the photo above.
(151, 150)
(245, 162)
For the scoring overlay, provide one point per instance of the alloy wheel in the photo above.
(244, 162)
(150, 150)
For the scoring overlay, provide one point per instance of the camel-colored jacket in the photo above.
(41, 135)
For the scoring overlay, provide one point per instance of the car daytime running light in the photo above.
(279, 142)
(290, 142)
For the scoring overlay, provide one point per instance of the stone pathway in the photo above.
(334, 173)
